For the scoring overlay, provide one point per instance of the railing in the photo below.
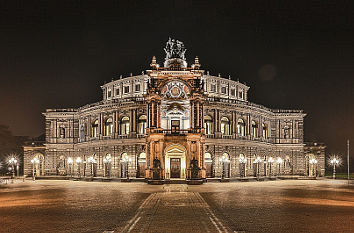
(176, 131)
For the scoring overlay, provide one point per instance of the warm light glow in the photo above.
(12, 160)
(35, 160)
(91, 160)
(78, 160)
(107, 159)
(279, 160)
(313, 161)
(270, 160)
(126, 159)
(335, 161)
(70, 160)
(257, 160)
(242, 160)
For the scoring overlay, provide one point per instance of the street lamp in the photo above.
(313, 162)
(92, 161)
(223, 161)
(78, 161)
(243, 162)
(107, 161)
(270, 161)
(279, 162)
(335, 161)
(257, 161)
(13, 162)
(70, 162)
(35, 162)
(126, 160)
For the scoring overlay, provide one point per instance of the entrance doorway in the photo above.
(175, 166)
(175, 162)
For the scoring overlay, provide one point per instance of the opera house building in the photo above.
(174, 121)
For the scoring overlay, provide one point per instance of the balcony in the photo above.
(176, 132)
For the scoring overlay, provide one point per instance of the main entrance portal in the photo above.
(175, 162)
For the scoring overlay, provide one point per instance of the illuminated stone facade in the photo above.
(174, 122)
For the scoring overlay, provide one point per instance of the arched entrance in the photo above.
(175, 162)
(208, 165)
(39, 167)
(141, 165)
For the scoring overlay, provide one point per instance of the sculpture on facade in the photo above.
(175, 54)
(194, 169)
(157, 169)
(175, 49)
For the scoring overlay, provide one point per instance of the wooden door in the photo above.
(175, 167)
(209, 169)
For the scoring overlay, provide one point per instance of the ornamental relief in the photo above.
(175, 90)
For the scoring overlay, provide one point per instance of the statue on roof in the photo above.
(175, 50)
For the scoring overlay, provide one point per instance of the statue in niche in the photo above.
(156, 169)
(194, 169)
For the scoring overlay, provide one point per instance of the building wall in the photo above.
(82, 132)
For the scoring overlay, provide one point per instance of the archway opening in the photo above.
(175, 162)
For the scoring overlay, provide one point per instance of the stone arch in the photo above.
(175, 161)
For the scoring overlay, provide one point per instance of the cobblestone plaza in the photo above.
(274, 206)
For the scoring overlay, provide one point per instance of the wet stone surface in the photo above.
(274, 206)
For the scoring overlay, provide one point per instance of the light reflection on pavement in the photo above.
(274, 206)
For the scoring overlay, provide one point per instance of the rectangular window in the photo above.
(233, 92)
(117, 91)
(212, 87)
(240, 95)
(126, 89)
(109, 94)
(137, 87)
(223, 90)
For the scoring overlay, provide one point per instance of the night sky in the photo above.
(293, 54)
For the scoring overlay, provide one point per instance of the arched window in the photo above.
(225, 161)
(254, 129)
(125, 125)
(207, 157)
(264, 131)
(286, 132)
(208, 125)
(142, 124)
(141, 165)
(62, 132)
(94, 132)
(208, 164)
(225, 126)
(108, 129)
(241, 126)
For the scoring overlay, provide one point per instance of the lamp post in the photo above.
(335, 161)
(223, 161)
(257, 161)
(243, 162)
(126, 160)
(92, 161)
(107, 161)
(78, 161)
(270, 161)
(70, 162)
(12, 162)
(279, 162)
(313, 163)
(35, 162)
